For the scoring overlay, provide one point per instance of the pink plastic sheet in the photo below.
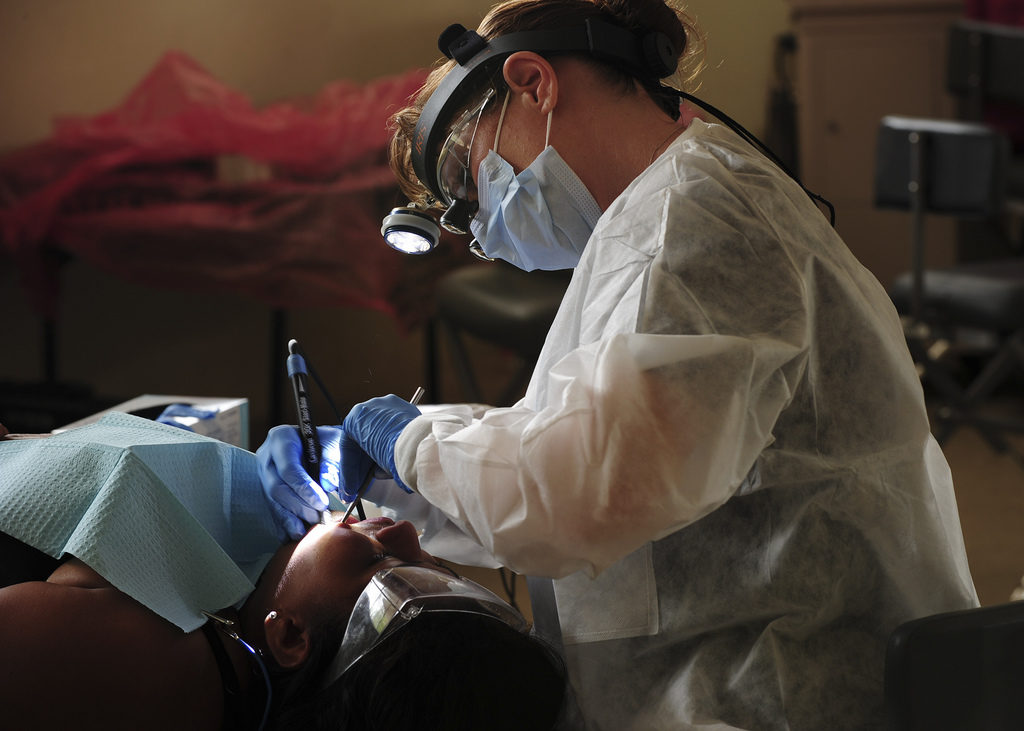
(139, 191)
(1007, 12)
(1007, 117)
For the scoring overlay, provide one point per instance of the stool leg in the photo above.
(462, 366)
(962, 410)
(430, 354)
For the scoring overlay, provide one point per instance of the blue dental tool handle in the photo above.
(307, 431)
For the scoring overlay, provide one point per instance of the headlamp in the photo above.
(650, 57)
(410, 230)
(439, 146)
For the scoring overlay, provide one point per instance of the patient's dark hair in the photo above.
(295, 697)
(449, 671)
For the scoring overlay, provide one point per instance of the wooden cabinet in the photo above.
(857, 62)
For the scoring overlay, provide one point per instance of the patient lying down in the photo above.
(77, 653)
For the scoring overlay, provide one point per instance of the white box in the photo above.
(230, 424)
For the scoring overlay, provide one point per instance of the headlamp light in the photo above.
(410, 230)
(439, 153)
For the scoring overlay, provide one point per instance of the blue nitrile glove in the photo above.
(368, 436)
(295, 499)
(183, 415)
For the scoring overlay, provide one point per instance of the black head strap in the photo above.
(648, 57)
(460, 44)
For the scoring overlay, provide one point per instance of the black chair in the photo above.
(973, 310)
(984, 65)
(985, 72)
(958, 671)
(503, 306)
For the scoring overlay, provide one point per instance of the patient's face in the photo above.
(335, 562)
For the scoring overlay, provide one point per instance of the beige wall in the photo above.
(66, 56)
(70, 57)
(740, 46)
(73, 57)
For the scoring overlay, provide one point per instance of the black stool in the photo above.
(957, 671)
(500, 305)
(955, 168)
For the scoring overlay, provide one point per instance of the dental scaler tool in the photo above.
(356, 501)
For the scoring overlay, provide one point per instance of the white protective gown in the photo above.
(723, 458)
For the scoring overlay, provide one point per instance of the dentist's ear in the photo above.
(532, 81)
(287, 639)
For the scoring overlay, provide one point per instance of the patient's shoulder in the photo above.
(74, 572)
(77, 657)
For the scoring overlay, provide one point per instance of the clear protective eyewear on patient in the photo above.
(397, 595)
(453, 174)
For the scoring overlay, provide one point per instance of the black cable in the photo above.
(753, 140)
(323, 389)
(337, 415)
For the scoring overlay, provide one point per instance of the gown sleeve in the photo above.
(639, 433)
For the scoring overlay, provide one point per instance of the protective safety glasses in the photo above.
(397, 595)
(453, 174)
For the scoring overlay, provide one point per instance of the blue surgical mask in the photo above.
(539, 219)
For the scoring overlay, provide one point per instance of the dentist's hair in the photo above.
(444, 671)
